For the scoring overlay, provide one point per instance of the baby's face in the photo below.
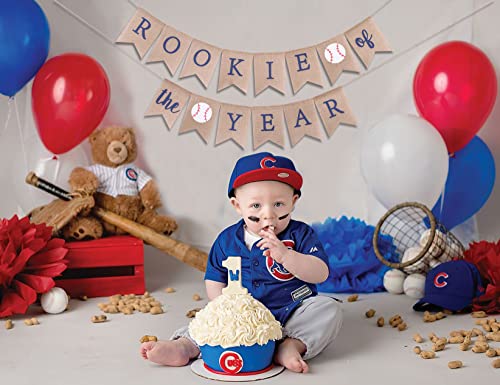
(264, 205)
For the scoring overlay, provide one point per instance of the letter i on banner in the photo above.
(170, 48)
(336, 56)
(334, 109)
(303, 67)
(268, 125)
(201, 61)
(367, 39)
(201, 117)
(269, 71)
(141, 31)
(235, 69)
(302, 120)
(168, 101)
(234, 124)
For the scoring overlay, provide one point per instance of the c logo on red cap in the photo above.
(263, 162)
(443, 283)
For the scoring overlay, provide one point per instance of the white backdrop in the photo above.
(193, 176)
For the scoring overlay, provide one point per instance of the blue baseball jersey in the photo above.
(267, 280)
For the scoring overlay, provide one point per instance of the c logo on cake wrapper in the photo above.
(131, 174)
(275, 269)
(231, 362)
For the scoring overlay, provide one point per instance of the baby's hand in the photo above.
(275, 248)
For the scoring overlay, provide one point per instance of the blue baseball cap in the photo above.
(451, 285)
(264, 166)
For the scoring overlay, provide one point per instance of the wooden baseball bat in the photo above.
(182, 251)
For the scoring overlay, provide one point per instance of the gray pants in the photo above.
(316, 322)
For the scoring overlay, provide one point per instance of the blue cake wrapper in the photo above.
(238, 359)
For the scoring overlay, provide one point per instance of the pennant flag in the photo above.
(268, 125)
(301, 120)
(201, 61)
(303, 67)
(141, 31)
(235, 69)
(367, 39)
(337, 56)
(334, 109)
(269, 71)
(201, 117)
(168, 101)
(170, 49)
(234, 122)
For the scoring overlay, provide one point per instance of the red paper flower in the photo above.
(486, 257)
(29, 259)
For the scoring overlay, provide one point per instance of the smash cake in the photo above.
(235, 332)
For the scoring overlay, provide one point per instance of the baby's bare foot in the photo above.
(289, 355)
(170, 353)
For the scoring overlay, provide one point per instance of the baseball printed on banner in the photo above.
(201, 112)
(335, 53)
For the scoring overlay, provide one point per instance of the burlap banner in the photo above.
(367, 39)
(234, 124)
(334, 109)
(201, 116)
(170, 48)
(302, 120)
(268, 123)
(337, 56)
(303, 67)
(269, 69)
(141, 31)
(235, 69)
(201, 61)
(168, 102)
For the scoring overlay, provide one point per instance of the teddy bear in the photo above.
(117, 185)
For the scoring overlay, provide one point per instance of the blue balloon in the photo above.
(24, 43)
(471, 176)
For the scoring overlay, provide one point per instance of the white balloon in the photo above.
(404, 159)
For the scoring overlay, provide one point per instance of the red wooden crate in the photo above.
(104, 267)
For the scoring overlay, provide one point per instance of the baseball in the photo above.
(393, 281)
(414, 286)
(201, 112)
(439, 237)
(409, 255)
(54, 301)
(335, 53)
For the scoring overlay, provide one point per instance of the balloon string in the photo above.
(361, 76)
(9, 112)
(21, 137)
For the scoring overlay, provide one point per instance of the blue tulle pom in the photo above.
(354, 267)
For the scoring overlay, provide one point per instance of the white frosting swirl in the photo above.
(233, 320)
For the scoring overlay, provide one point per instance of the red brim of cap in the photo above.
(284, 175)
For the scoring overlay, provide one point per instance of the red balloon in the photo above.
(70, 96)
(455, 88)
